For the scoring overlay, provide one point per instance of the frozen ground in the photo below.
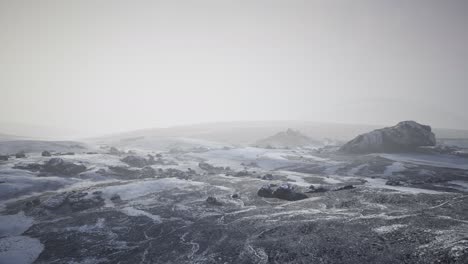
(403, 208)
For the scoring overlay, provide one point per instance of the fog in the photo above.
(96, 67)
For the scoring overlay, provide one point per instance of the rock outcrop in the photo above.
(286, 139)
(285, 191)
(405, 136)
(138, 161)
(59, 166)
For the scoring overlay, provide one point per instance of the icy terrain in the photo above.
(198, 201)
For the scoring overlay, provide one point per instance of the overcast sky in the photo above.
(105, 66)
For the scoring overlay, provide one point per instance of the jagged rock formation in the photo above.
(405, 136)
(286, 139)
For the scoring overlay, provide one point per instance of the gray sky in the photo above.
(104, 66)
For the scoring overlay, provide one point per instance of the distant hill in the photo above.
(248, 133)
(287, 139)
(35, 146)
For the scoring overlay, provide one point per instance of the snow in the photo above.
(14, 225)
(131, 211)
(443, 161)
(15, 248)
(19, 249)
(388, 229)
(394, 168)
(141, 188)
(380, 183)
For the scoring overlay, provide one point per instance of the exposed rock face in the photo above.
(405, 136)
(20, 155)
(4, 157)
(60, 166)
(286, 139)
(285, 191)
(137, 161)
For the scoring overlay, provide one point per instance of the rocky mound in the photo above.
(405, 136)
(286, 139)
(285, 191)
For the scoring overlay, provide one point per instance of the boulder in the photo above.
(285, 191)
(266, 191)
(405, 136)
(213, 201)
(60, 166)
(135, 161)
(4, 157)
(20, 155)
(46, 153)
(289, 192)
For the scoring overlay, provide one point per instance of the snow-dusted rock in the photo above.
(285, 191)
(287, 139)
(405, 136)
(61, 167)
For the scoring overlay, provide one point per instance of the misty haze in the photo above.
(233, 132)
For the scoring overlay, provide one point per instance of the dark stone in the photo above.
(288, 192)
(405, 136)
(4, 157)
(213, 201)
(148, 172)
(136, 161)
(346, 187)
(20, 155)
(266, 191)
(393, 183)
(60, 166)
(46, 153)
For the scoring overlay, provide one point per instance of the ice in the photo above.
(19, 250)
(14, 225)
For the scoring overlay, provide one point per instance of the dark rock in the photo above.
(405, 136)
(267, 177)
(4, 157)
(101, 171)
(60, 166)
(30, 167)
(148, 172)
(210, 168)
(285, 191)
(115, 197)
(213, 201)
(394, 183)
(241, 173)
(115, 151)
(346, 187)
(20, 155)
(124, 171)
(266, 191)
(136, 161)
(46, 153)
(313, 189)
(288, 192)
(235, 196)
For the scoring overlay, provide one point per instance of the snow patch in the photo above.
(131, 211)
